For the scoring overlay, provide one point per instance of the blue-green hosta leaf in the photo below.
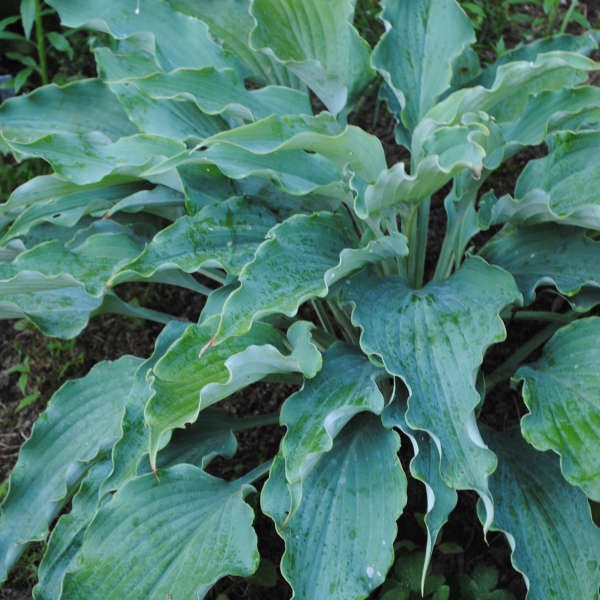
(59, 306)
(230, 22)
(132, 445)
(434, 339)
(586, 299)
(425, 466)
(416, 52)
(555, 543)
(301, 259)
(265, 191)
(88, 158)
(586, 118)
(580, 44)
(179, 119)
(170, 538)
(465, 69)
(204, 186)
(560, 187)
(134, 61)
(346, 386)
(349, 146)
(317, 42)
(198, 444)
(515, 82)
(192, 375)
(297, 256)
(339, 543)
(11, 251)
(225, 235)
(223, 91)
(53, 200)
(562, 392)
(91, 262)
(89, 104)
(211, 435)
(181, 40)
(67, 535)
(569, 109)
(546, 254)
(447, 151)
(296, 171)
(82, 420)
(160, 200)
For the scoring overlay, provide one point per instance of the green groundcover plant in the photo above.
(198, 151)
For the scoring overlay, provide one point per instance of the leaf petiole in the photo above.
(255, 474)
(543, 315)
(508, 367)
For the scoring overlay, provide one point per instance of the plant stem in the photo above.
(422, 232)
(416, 232)
(542, 315)
(508, 367)
(365, 96)
(113, 304)
(323, 339)
(257, 421)
(341, 316)
(574, 4)
(212, 274)
(322, 315)
(41, 45)
(457, 203)
(255, 473)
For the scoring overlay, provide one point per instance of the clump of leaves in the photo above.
(201, 116)
(481, 585)
(405, 580)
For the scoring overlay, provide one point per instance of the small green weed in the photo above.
(29, 395)
(482, 584)
(550, 16)
(503, 24)
(42, 50)
(42, 368)
(12, 175)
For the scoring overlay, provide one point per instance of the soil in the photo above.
(47, 363)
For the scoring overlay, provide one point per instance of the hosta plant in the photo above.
(216, 151)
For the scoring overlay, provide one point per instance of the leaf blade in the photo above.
(543, 254)
(326, 52)
(134, 548)
(347, 517)
(561, 391)
(435, 343)
(73, 415)
(548, 522)
(432, 35)
(313, 416)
